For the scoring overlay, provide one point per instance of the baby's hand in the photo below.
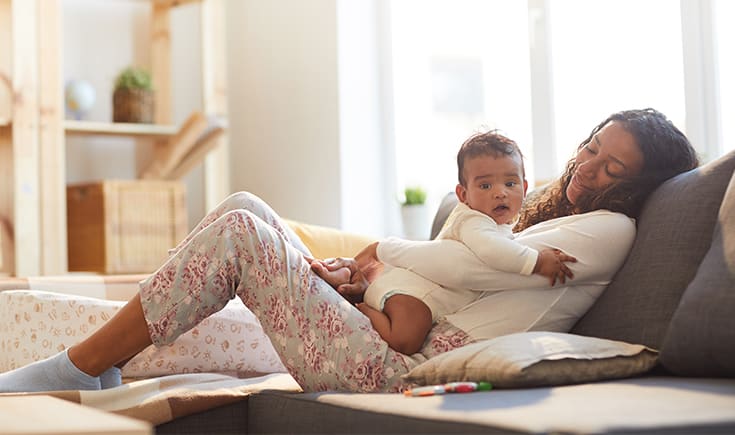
(551, 264)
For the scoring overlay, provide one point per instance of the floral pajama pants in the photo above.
(243, 249)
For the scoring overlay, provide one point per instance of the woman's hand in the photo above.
(368, 263)
(364, 268)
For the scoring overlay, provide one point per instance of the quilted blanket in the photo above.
(162, 399)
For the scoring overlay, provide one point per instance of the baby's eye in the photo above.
(511, 184)
(485, 186)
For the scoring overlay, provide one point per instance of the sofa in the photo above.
(672, 302)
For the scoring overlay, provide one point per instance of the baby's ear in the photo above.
(525, 186)
(461, 193)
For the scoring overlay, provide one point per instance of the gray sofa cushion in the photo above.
(701, 338)
(445, 208)
(658, 405)
(674, 233)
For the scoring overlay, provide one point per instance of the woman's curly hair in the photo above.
(666, 152)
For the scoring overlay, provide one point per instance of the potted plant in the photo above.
(415, 214)
(132, 100)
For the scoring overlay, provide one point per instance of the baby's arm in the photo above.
(550, 263)
(404, 322)
(497, 250)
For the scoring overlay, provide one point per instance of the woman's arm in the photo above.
(599, 240)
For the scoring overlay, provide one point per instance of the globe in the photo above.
(79, 96)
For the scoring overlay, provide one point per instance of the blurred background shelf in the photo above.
(38, 146)
(119, 129)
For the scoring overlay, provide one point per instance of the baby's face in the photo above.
(495, 186)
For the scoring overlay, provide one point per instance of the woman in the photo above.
(243, 249)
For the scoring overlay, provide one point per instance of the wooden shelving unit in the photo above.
(33, 130)
(119, 129)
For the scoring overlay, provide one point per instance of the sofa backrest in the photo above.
(674, 233)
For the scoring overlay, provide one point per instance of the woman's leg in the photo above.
(252, 203)
(78, 367)
(324, 341)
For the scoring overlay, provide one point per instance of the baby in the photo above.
(402, 305)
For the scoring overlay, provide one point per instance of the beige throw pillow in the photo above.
(534, 359)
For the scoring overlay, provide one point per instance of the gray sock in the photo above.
(51, 374)
(111, 378)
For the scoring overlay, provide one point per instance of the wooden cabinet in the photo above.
(33, 130)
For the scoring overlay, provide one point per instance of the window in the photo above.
(459, 67)
(606, 57)
(724, 12)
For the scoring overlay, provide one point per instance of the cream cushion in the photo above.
(533, 359)
(325, 242)
(37, 324)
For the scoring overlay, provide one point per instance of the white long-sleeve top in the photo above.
(509, 302)
(493, 243)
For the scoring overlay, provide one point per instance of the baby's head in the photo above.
(491, 176)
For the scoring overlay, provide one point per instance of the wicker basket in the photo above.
(133, 105)
(124, 226)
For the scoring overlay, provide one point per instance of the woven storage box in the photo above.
(124, 226)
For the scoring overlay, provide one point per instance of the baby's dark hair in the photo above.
(491, 143)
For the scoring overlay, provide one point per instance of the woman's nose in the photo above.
(588, 168)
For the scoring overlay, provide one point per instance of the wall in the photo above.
(305, 102)
(304, 96)
(284, 120)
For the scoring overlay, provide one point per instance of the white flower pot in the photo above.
(416, 222)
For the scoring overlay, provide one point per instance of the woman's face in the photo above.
(611, 156)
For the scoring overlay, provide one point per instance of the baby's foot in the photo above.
(334, 277)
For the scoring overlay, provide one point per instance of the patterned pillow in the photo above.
(36, 324)
(534, 359)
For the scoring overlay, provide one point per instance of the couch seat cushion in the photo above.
(651, 404)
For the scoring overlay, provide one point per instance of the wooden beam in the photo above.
(214, 89)
(51, 141)
(26, 220)
(206, 144)
(168, 155)
(6, 201)
(6, 86)
(6, 113)
(161, 61)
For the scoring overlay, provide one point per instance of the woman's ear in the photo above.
(461, 193)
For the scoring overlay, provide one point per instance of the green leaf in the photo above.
(415, 196)
(134, 78)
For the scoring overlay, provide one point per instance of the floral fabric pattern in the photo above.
(243, 250)
(36, 324)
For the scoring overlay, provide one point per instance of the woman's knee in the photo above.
(239, 200)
